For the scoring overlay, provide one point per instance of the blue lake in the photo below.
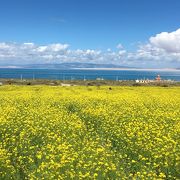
(76, 74)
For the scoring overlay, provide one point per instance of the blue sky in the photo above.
(95, 25)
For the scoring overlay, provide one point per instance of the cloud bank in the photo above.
(161, 50)
(170, 42)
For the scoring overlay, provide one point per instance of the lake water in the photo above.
(76, 74)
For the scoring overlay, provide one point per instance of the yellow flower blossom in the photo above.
(89, 133)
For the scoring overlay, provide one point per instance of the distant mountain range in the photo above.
(77, 65)
(72, 66)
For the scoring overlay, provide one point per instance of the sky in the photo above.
(138, 33)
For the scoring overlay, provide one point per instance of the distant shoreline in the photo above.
(11, 67)
(105, 69)
(128, 69)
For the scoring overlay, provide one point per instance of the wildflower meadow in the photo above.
(51, 132)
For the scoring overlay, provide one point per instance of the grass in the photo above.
(86, 83)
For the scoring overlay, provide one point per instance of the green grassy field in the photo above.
(89, 132)
(87, 82)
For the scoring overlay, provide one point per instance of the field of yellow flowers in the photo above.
(89, 132)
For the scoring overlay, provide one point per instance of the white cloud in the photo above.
(49, 57)
(58, 47)
(30, 44)
(162, 50)
(119, 46)
(42, 48)
(170, 42)
(53, 48)
(122, 52)
(4, 45)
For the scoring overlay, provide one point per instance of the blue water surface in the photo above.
(77, 74)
